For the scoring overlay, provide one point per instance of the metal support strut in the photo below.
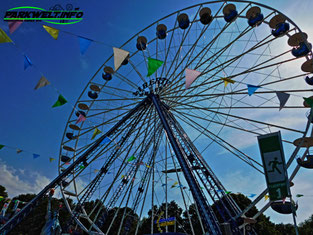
(58, 180)
(207, 214)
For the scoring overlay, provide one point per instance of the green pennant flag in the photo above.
(131, 158)
(1, 146)
(153, 65)
(61, 101)
(309, 101)
(227, 192)
(81, 167)
(299, 195)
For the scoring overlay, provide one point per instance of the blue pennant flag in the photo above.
(27, 62)
(220, 190)
(105, 140)
(252, 89)
(252, 195)
(36, 155)
(84, 43)
(163, 185)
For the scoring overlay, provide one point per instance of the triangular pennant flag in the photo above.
(175, 183)
(105, 140)
(13, 25)
(95, 133)
(147, 165)
(51, 159)
(42, 82)
(36, 155)
(4, 37)
(283, 98)
(52, 31)
(227, 80)
(67, 163)
(153, 65)
(95, 171)
(27, 62)
(81, 118)
(299, 195)
(266, 197)
(119, 57)
(309, 101)
(81, 167)
(227, 192)
(252, 195)
(131, 158)
(163, 185)
(122, 176)
(84, 43)
(19, 151)
(220, 190)
(190, 76)
(61, 101)
(252, 89)
(1, 146)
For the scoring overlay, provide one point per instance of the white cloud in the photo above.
(18, 181)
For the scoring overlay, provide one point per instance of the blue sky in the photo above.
(27, 120)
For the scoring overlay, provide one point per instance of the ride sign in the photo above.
(274, 166)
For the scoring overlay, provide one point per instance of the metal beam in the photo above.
(206, 211)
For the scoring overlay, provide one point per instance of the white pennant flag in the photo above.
(119, 56)
(190, 76)
(42, 82)
(283, 98)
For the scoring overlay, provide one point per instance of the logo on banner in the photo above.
(55, 15)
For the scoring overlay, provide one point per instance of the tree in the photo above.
(3, 192)
(306, 228)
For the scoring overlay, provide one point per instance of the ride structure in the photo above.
(140, 130)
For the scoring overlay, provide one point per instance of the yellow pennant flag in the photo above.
(95, 133)
(52, 31)
(266, 197)
(147, 165)
(4, 37)
(51, 159)
(174, 184)
(227, 80)
(95, 171)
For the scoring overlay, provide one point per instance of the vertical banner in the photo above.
(274, 164)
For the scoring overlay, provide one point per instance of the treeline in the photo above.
(35, 221)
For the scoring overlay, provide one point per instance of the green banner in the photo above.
(274, 166)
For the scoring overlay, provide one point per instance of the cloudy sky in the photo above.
(29, 123)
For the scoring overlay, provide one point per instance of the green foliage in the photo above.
(3, 192)
(35, 221)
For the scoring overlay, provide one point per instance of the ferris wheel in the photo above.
(148, 138)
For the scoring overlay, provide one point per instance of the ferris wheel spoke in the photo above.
(242, 118)
(176, 57)
(228, 62)
(223, 143)
(96, 156)
(125, 79)
(206, 49)
(111, 185)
